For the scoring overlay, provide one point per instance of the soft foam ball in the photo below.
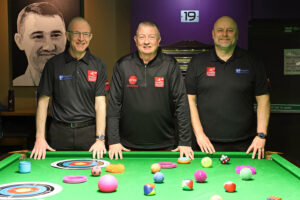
(216, 197)
(246, 174)
(96, 170)
(107, 183)
(149, 189)
(155, 168)
(187, 184)
(229, 186)
(206, 162)
(200, 176)
(158, 177)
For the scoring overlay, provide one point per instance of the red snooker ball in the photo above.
(229, 186)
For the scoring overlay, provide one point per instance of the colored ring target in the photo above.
(28, 190)
(79, 163)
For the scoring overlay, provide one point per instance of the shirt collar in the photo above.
(69, 58)
(236, 54)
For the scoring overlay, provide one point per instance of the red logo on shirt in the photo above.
(210, 71)
(92, 75)
(132, 81)
(159, 81)
(106, 85)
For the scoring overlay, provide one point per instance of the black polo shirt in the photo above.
(226, 93)
(73, 85)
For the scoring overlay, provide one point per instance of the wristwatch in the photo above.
(262, 135)
(100, 137)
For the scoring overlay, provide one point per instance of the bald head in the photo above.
(226, 20)
(78, 19)
(225, 34)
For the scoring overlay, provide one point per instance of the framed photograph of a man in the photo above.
(37, 33)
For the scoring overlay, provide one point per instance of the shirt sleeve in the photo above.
(114, 107)
(181, 106)
(101, 88)
(47, 80)
(190, 78)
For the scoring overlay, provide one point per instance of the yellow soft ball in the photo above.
(155, 168)
(206, 162)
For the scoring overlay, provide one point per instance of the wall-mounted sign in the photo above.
(291, 61)
(189, 16)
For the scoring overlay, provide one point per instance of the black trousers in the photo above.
(64, 138)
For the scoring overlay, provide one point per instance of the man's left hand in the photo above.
(98, 148)
(257, 146)
(185, 150)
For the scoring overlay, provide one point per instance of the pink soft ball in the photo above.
(200, 176)
(107, 183)
(96, 170)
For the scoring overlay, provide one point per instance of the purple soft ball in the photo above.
(200, 176)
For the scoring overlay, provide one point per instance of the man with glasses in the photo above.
(76, 81)
(148, 107)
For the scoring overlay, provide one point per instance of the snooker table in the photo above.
(275, 177)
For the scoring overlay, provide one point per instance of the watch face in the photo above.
(101, 137)
(261, 135)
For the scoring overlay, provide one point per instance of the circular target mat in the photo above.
(79, 163)
(28, 190)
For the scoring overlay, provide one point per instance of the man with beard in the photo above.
(222, 85)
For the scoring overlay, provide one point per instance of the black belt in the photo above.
(77, 124)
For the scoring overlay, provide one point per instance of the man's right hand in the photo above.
(205, 144)
(115, 150)
(39, 149)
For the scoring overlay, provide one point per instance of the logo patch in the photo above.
(210, 71)
(92, 75)
(132, 81)
(64, 77)
(159, 82)
(106, 85)
(241, 71)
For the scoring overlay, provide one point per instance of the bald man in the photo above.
(222, 86)
(75, 79)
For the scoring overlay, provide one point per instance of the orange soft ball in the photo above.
(155, 168)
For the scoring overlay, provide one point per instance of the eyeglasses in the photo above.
(77, 34)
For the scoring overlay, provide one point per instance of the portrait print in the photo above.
(38, 33)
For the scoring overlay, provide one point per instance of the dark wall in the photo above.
(278, 9)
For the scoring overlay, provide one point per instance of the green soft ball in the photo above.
(246, 174)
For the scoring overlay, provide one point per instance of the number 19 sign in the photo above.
(189, 16)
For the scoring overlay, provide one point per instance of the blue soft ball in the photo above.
(158, 177)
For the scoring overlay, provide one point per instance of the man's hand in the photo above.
(98, 148)
(185, 150)
(205, 144)
(39, 149)
(115, 150)
(257, 146)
